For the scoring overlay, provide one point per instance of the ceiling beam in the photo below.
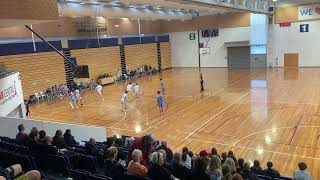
(255, 6)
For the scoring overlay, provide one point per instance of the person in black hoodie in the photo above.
(199, 169)
(156, 170)
(113, 168)
(68, 138)
(177, 169)
(256, 168)
(270, 171)
(58, 140)
(246, 173)
(168, 150)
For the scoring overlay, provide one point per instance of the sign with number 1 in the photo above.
(304, 28)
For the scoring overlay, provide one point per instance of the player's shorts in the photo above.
(98, 92)
(160, 104)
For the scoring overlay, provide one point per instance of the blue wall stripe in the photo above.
(163, 38)
(27, 47)
(92, 43)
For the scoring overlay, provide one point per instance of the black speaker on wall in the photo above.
(81, 71)
(271, 9)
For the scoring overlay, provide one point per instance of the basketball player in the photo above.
(137, 90)
(160, 102)
(162, 87)
(73, 100)
(201, 83)
(124, 101)
(99, 91)
(129, 87)
(78, 96)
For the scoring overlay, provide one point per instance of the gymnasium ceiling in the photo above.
(295, 2)
(160, 9)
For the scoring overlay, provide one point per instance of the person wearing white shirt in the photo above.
(124, 98)
(137, 90)
(302, 174)
(99, 91)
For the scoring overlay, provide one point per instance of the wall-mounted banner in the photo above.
(210, 33)
(309, 12)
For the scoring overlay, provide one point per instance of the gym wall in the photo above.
(38, 70)
(290, 40)
(99, 60)
(137, 55)
(185, 51)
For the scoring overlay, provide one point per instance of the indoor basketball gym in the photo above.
(257, 58)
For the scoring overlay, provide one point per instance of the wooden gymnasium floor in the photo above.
(259, 114)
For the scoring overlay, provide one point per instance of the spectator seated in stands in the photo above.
(256, 168)
(240, 165)
(226, 172)
(91, 147)
(215, 152)
(246, 173)
(224, 156)
(231, 155)
(68, 138)
(49, 148)
(302, 174)
(177, 168)
(237, 176)
(42, 135)
(15, 172)
(156, 170)
(22, 137)
(270, 171)
(113, 168)
(145, 145)
(134, 167)
(166, 163)
(199, 169)
(204, 153)
(81, 86)
(58, 140)
(229, 161)
(214, 169)
(168, 150)
(186, 159)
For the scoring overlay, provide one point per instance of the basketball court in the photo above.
(259, 60)
(259, 114)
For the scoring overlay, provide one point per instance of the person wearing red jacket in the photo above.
(145, 144)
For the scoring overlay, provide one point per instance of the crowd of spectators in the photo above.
(146, 157)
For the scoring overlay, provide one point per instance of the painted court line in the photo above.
(218, 114)
(181, 110)
(243, 147)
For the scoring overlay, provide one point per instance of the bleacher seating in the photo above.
(76, 163)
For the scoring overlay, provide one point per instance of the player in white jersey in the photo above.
(137, 90)
(129, 88)
(124, 99)
(78, 96)
(99, 91)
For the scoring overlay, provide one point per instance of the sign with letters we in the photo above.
(309, 12)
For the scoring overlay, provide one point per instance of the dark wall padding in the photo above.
(27, 47)
(92, 43)
(163, 38)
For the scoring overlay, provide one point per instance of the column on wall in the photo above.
(258, 40)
